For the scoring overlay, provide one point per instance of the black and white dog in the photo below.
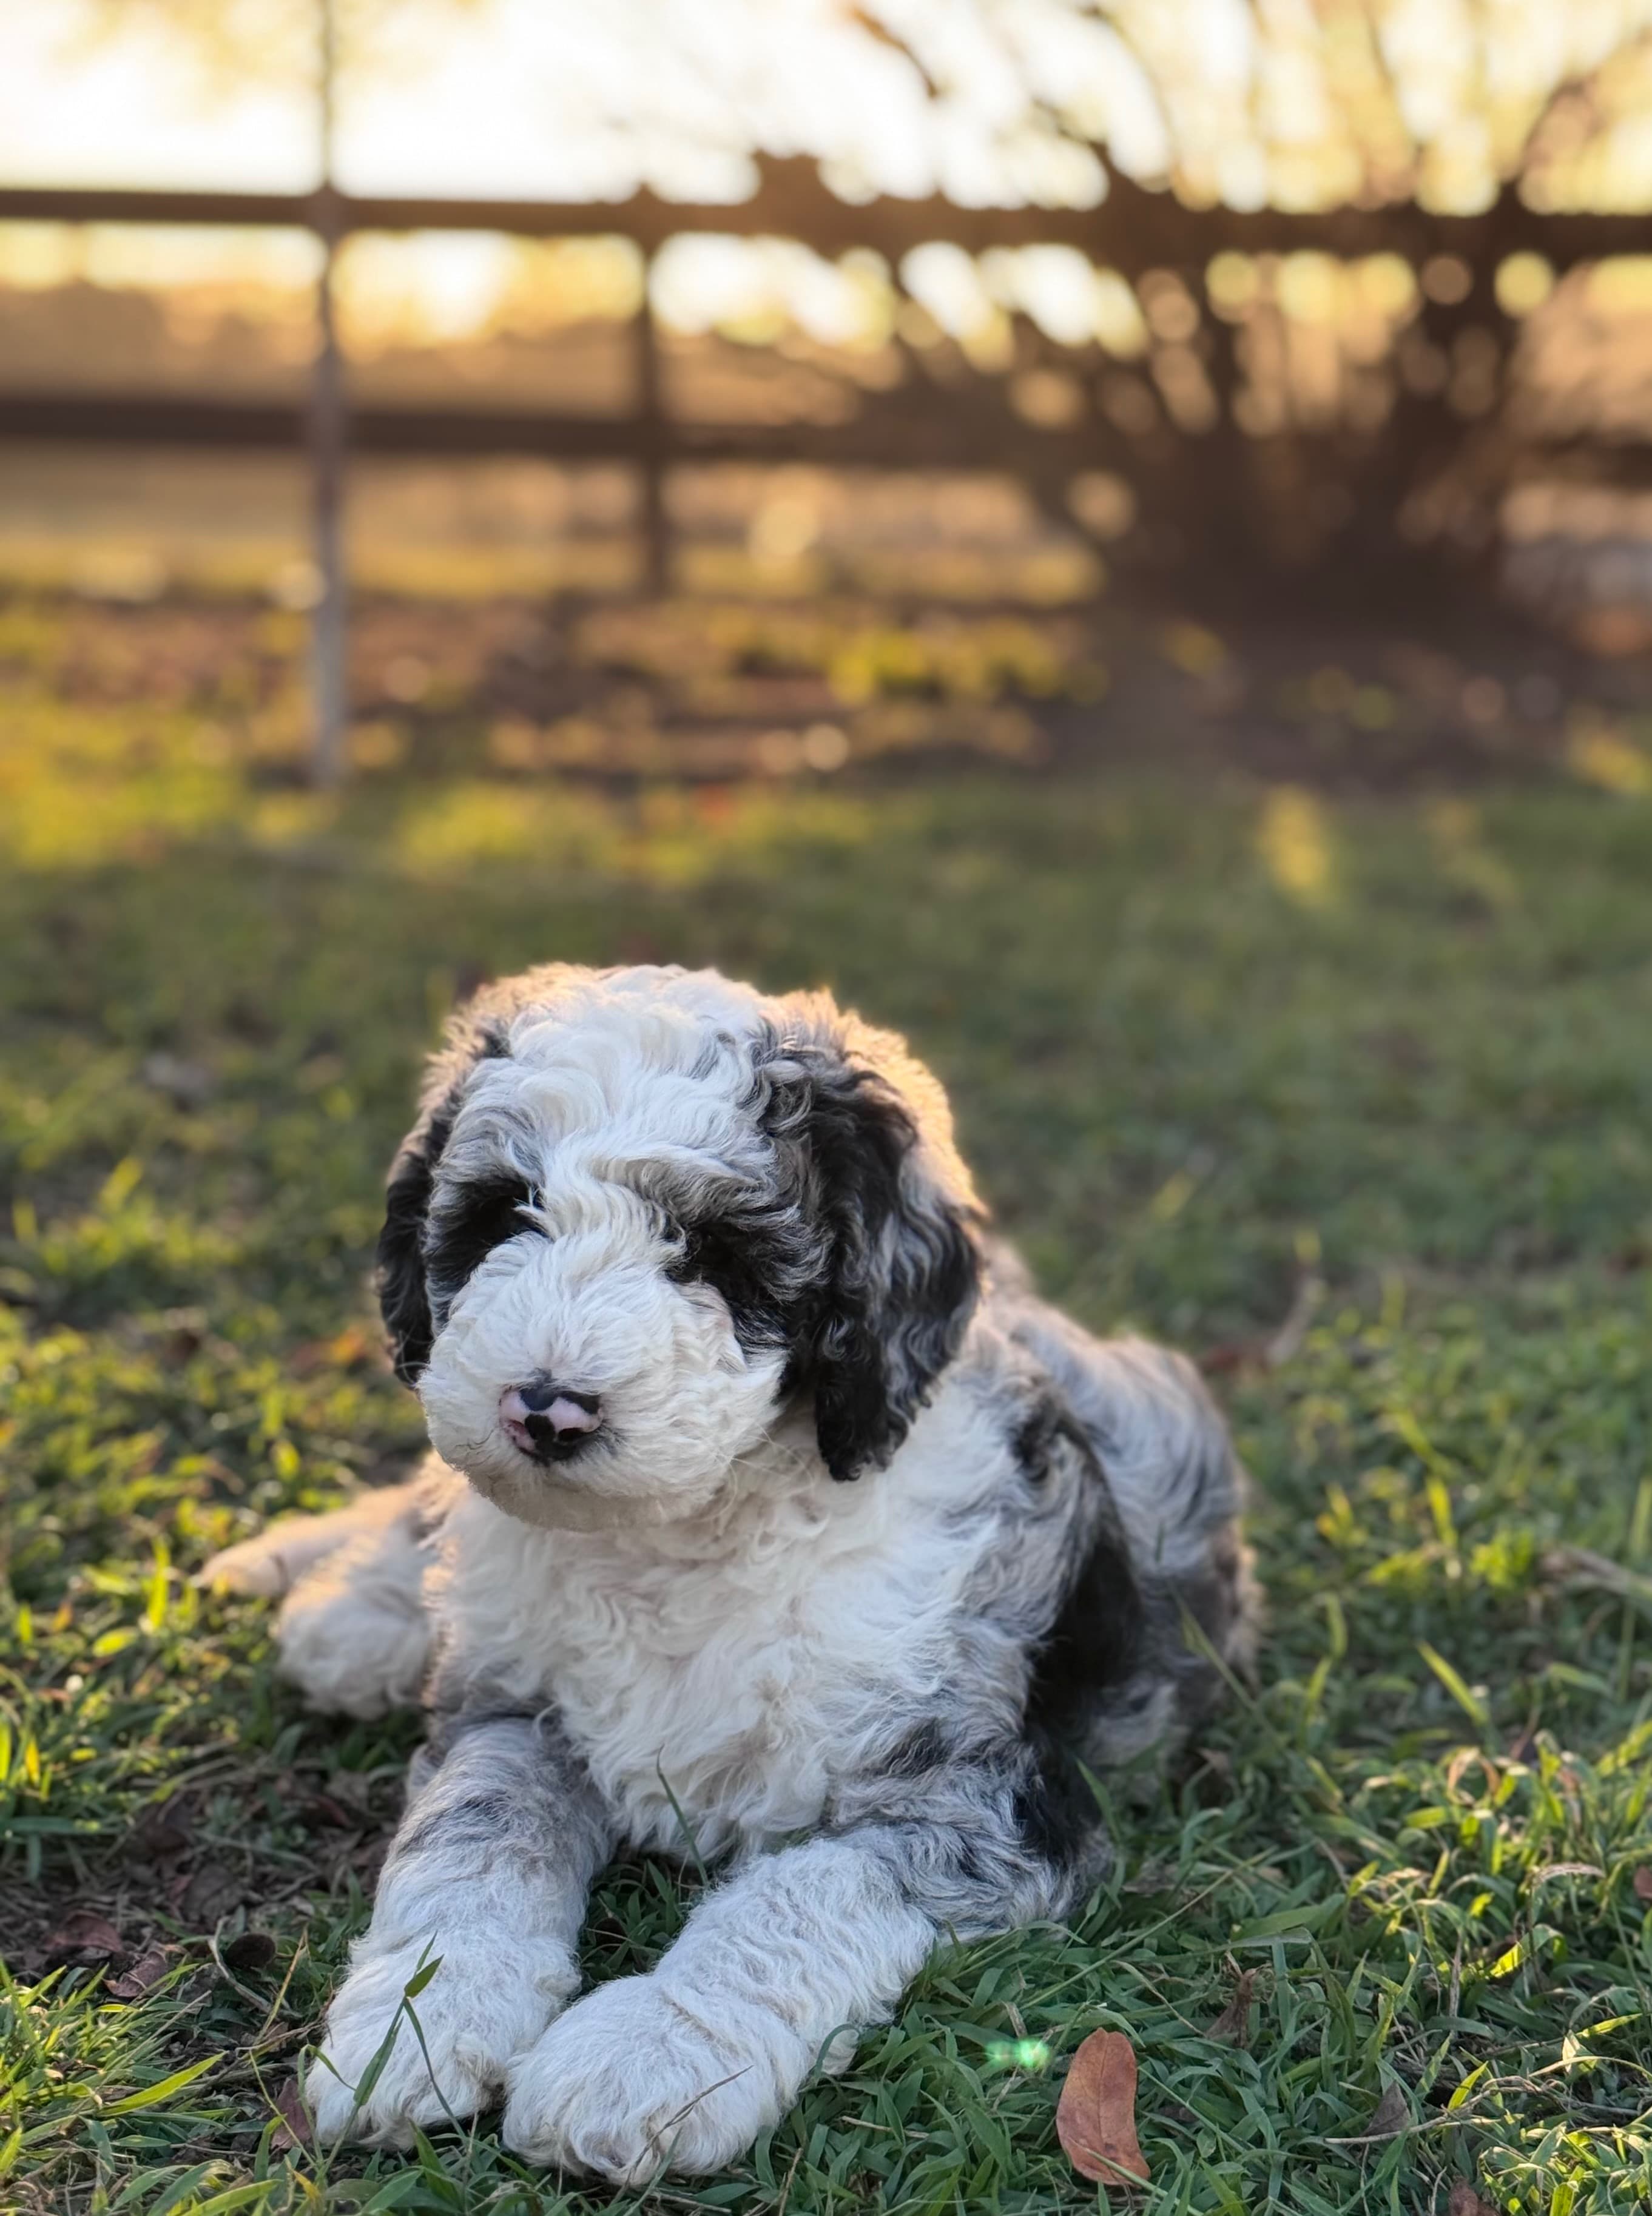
(772, 1516)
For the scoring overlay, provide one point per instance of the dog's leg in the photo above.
(488, 1874)
(773, 1973)
(354, 1633)
(273, 1562)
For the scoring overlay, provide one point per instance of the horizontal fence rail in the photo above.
(1132, 230)
(957, 424)
(929, 437)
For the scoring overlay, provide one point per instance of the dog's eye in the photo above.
(481, 1216)
(735, 1260)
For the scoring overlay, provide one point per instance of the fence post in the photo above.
(650, 416)
(329, 643)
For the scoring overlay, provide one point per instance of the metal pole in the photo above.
(328, 633)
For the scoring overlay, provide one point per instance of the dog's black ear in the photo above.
(474, 1034)
(901, 1264)
(404, 1301)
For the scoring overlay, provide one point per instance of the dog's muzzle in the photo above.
(550, 1422)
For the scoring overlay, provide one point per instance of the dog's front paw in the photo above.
(476, 2015)
(629, 2080)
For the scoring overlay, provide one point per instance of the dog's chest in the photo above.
(720, 1682)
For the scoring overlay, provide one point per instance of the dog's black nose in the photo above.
(549, 1421)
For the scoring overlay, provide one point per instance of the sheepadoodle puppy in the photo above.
(773, 1520)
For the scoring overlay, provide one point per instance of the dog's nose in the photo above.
(547, 1421)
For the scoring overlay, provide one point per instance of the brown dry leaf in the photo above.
(1466, 2201)
(350, 1348)
(164, 1832)
(294, 2130)
(1390, 2115)
(1642, 1882)
(1095, 2117)
(147, 1970)
(324, 1808)
(83, 1935)
(1234, 2022)
(1231, 1354)
(248, 1950)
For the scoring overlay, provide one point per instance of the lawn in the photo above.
(1351, 1097)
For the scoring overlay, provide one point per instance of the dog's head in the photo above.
(645, 1211)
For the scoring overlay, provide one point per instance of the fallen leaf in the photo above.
(1642, 1882)
(1390, 2115)
(1466, 2201)
(1234, 2022)
(344, 1351)
(1232, 1354)
(248, 1950)
(1095, 2117)
(147, 1970)
(83, 1936)
(324, 1808)
(164, 1832)
(294, 2130)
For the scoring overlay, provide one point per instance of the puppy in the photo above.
(772, 1520)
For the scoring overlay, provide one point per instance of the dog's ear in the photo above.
(404, 1296)
(897, 1220)
(404, 1301)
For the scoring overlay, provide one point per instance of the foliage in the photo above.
(1213, 1050)
(260, 42)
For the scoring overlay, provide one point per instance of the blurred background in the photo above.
(777, 391)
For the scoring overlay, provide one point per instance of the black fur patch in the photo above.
(755, 1267)
(1056, 1812)
(1095, 1646)
(903, 1268)
(1045, 1422)
(480, 1817)
(924, 1749)
(404, 1296)
(482, 1214)
(403, 1299)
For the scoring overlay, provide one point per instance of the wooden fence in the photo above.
(1132, 231)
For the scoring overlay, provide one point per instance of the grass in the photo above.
(1221, 1055)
